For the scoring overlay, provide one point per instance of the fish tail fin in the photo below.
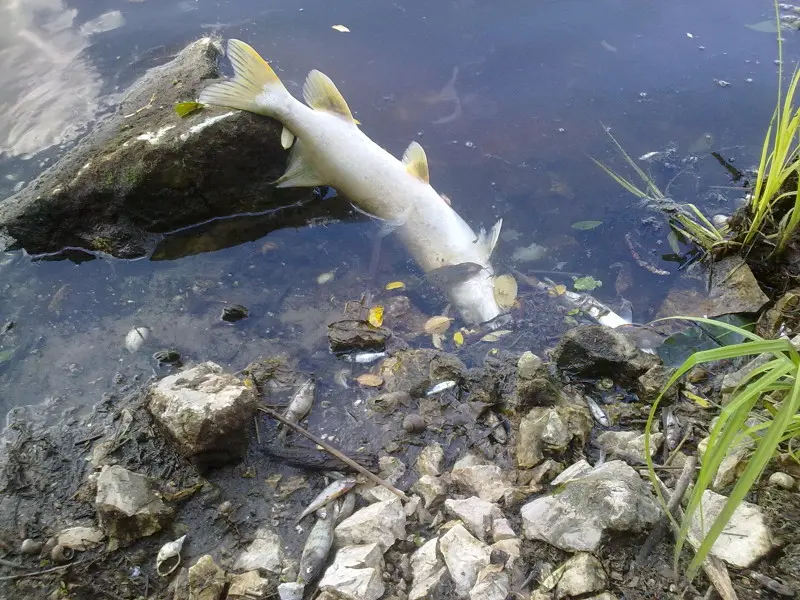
(255, 87)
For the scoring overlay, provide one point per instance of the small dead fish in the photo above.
(449, 275)
(672, 428)
(332, 492)
(346, 507)
(364, 358)
(300, 405)
(440, 387)
(318, 545)
(597, 412)
(58, 298)
(341, 376)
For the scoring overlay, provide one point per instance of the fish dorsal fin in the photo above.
(320, 93)
(300, 172)
(287, 138)
(489, 241)
(416, 162)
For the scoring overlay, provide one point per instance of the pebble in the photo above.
(29, 546)
(782, 480)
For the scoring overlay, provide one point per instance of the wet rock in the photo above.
(141, 172)
(382, 522)
(493, 584)
(430, 460)
(355, 573)
(206, 412)
(128, 506)
(734, 289)
(416, 371)
(464, 556)
(581, 574)
(534, 385)
(628, 443)
(234, 312)
(389, 402)
(206, 580)
(264, 554)
(431, 489)
(746, 538)
(80, 538)
(248, 585)
(784, 315)
(611, 497)
(351, 335)
(477, 515)
(429, 572)
(485, 481)
(550, 431)
(782, 480)
(599, 351)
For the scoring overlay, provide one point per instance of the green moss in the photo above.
(102, 244)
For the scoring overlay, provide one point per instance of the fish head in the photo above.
(474, 298)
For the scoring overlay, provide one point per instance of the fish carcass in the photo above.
(329, 149)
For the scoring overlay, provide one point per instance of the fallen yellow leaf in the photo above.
(370, 380)
(505, 291)
(395, 285)
(375, 317)
(437, 324)
(495, 335)
(557, 290)
(458, 338)
(341, 28)
(699, 400)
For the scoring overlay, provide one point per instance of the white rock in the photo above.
(360, 557)
(382, 522)
(352, 584)
(428, 571)
(631, 442)
(512, 547)
(248, 585)
(205, 411)
(573, 472)
(501, 530)
(81, 538)
(729, 468)
(464, 556)
(485, 481)
(476, 514)
(581, 574)
(611, 497)
(431, 489)
(291, 591)
(206, 579)
(746, 538)
(430, 460)
(136, 338)
(493, 584)
(782, 480)
(264, 554)
(542, 429)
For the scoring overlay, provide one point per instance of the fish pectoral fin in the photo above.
(252, 76)
(416, 162)
(300, 172)
(489, 241)
(287, 138)
(320, 93)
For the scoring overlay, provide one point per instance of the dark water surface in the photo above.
(531, 83)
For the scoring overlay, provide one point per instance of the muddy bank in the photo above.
(146, 171)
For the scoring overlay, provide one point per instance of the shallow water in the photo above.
(509, 100)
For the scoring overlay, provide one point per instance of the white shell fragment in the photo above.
(136, 338)
(169, 557)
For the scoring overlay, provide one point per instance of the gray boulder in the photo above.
(145, 170)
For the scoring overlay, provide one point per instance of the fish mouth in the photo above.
(498, 322)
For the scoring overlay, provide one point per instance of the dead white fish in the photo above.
(450, 274)
(329, 494)
(318, 545)
(598, 413)
(346, 507)
(300, 405)
(169, 556)
(136, 338)
(364, 358)
(672, 428)
(331, 150)
(595, 309)
(440, 387)
(341, 376)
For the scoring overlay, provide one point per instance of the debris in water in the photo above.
(340, 28)
(505, 291)
(370, 380)
(300, 404)
(136, 338)
(598, 413)
(607, 46)
(458, 338)
(586, 225)
(395, 285)
(530, 253)
(722, 82)
(440, 387)
(495, 335)
(375, 317)
(333, 491)
(167, 357)
(340, 377)
(325, 277)
(438, 324)
(639, 260)
(586, 284)
(234, 312)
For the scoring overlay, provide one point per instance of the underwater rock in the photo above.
(611, 497)
(206, 412)
(351, 335)
(145, 170)
(599, 351)
(128, 506)
(534, 385)
(206, 580)
(417, 371)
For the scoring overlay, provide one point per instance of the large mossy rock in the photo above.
(145, 171)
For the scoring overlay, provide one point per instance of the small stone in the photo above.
(346, 583)
(264, 554)
(528, 365)
(81, 538)
(206, 580)
(352, 335)
(291, 591)
(234, 312)
(382, 522)
(502, 530)
(430, 460)
(628, 442)
(734, 461)
(128, 506)
(651, 384)
(573, 472)
(431, 489)
(782, 480)
(29, 546)
(485, 481)
(464, 556)
(541, 429)
(361, 557)
(581, 574)
(428, 572)
(476, 514)
(493, 584)
(734, 288)
(389, 402)
(248, 585)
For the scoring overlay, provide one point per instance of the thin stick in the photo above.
(11, 563)
(258, 435)
(39, 573)
(334, 452)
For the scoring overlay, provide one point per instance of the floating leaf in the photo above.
(375, 317)
(505, 291)
(495, 335)
(395, 285)
(586, 225)
(586, 284)
(341, 28)
(184, 109)
(557, 290)
(438, 324)
(458, 338)
(768, 26)
(370, 380)
(6, 355)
